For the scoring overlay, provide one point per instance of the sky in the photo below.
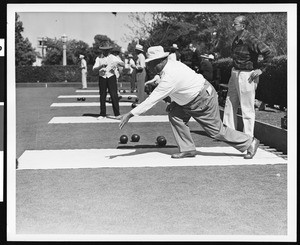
(76, 25)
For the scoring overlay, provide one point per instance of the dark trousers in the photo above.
(132, 79)
(110, 84)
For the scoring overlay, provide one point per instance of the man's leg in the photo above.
(205, 110)
(232, 101)
(113, 91)
(178, 120)
(247, 99)
(83, 78)
(103, 93)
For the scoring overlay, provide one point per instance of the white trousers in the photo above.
(83, 78)
(241, 93)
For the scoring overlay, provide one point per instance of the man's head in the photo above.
(156, 59)
(240, 23)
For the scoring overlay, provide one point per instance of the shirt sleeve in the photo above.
(97, 63)
(261, 48)
(163, 89)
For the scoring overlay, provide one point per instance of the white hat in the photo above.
(81, 56)
(211, 57)
(175, 46)
(156, 52)
(139, 47)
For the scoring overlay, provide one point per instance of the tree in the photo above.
(74, 48)
(24, 52)
(210, 32)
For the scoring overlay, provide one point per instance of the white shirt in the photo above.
(178, 81)
(141, 60)
(83, 64)
(111, 64)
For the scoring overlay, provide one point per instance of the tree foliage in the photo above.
(24, 52)
(210, 32)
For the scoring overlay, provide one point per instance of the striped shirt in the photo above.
(245, 51)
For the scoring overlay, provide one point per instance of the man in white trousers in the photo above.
(83, 67)
(244, 75)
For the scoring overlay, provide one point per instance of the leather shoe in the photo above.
(184, 154)
(251, 151)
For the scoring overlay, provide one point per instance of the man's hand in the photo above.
(124, 119)
(255, 74)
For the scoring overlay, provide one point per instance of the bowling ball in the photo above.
(78, 99)
(123, 139)
(133, 105)
(161, 141)
(137, 100)
(129, 97)
(83, 99)
(135, 138)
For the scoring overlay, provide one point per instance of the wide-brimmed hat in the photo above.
(174, 46)
(81, 56)
(207, 56)
(139, 47)
(156, 52)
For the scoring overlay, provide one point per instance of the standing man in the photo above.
(175, 54)
(196, 58)
(140, 73)
(132, 72)
(244, 75)
(107, 66)
(206, 68)
(83, 68)
(191, 96)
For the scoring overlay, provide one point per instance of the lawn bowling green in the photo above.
(71, 164)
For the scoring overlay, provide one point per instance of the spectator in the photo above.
(131, 67)
(83, 67)
(106, 65)
(140, 73)
(174, 53)
(196, 58)
(244, 75)
(206, 68)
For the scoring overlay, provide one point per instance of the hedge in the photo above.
(272, 87)
(52, 74)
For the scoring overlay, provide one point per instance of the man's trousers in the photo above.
(241, 92)
(205, 110)
(110, 84)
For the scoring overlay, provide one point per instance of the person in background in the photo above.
(191, 95)
(107, 65)
(245, 73)
(83, 67)
(132, 72)
(196, 58)
(174, 53)
(206, 68)
(140, 73)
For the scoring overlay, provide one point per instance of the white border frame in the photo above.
(291, 9)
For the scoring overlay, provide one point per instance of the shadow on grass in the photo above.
(90, 115)
(142, 149)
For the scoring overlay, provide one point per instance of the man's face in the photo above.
(237, 25)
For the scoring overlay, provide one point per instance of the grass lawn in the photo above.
(214, 200)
